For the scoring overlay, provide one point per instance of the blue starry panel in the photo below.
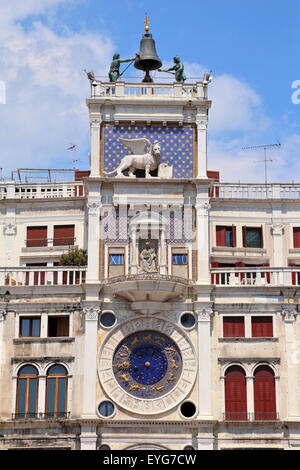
(177, 145)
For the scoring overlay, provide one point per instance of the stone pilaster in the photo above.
(289, 316)
(91, 313)
(201, 147)
(95, 124)
(202, 221)
(204, 314)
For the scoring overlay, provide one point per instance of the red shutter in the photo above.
(233, 327)
(244, 236)
(63, 235)
(36, 236)
(296, 235)
(235, 394)
(214, 277)
(262, 327)
(234, 236)
(293, 274)
(240, 265)
(264, 394)
(221, 236)
(268, 274)
(38, 277)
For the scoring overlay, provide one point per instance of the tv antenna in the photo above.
(73, 148)
(265, 160)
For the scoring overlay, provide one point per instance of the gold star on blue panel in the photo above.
(177, 145)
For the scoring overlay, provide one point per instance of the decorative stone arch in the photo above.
(271, 365)
(234, 364)
(19, 366)
(146, 446)
(140, 226)
(56, 363)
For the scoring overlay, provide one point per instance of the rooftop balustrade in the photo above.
(12, 190)
(147, 90)
(255, 191)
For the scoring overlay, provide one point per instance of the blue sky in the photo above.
(251, 47)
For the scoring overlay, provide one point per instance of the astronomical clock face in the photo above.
(147, 364)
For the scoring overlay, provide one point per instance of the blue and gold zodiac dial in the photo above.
(147, 364)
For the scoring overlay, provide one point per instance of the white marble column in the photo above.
(95, 123)
(204, 314)
(202, 242)
(201, 148)
(277, 232)
(2, 319)
(94, 207)
(289, 315)
(91, 312)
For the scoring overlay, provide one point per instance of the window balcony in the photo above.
(47, 242)
(255, 277)
(41, 416)
(245, 416)
(43, 276)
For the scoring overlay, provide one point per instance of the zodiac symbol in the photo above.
(171, 377)
(157, 389)
(125, 365)
(124, 377)
(147, 338)
(136, 387)
(174, 365)
(127, 351)
(170, 350)
(135, 340)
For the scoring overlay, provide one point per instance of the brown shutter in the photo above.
(63, 235)
(264, 394)
(244, 236)
(261, 237)
(221, 236)
(36, 236)
(262, 327)
(233, 327)
(268, 274)
(214, 264)
(234, 236)
(293, 274)
(296, 236)
(235, 394)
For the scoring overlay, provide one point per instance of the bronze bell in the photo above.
(147, 58)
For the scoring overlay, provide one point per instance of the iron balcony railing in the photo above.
(246, 416)
(37, 242)
(41, 416)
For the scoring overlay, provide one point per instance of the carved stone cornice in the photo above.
(94, 208)
(95, 123)
(289, 313)
(10, 229)
(91, 313)
(277, 228)
(204, 314)
(202, 208)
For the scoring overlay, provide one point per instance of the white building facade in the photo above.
(182, 331)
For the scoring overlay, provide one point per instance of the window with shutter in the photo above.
(252, 237)
(262, 327)
(233, 327)
(235, 394)
(36, 236)
(264, 394)
(296, 236)
(58, 326)
(225, 236)
(63, 235)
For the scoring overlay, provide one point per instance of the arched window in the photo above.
(235, 394)
(56, 394)
(27, 392)
(264, 394)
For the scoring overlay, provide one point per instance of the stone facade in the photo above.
(171, 258)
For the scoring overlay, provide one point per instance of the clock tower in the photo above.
(148, 309)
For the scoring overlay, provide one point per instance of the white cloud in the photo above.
(46, 89)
